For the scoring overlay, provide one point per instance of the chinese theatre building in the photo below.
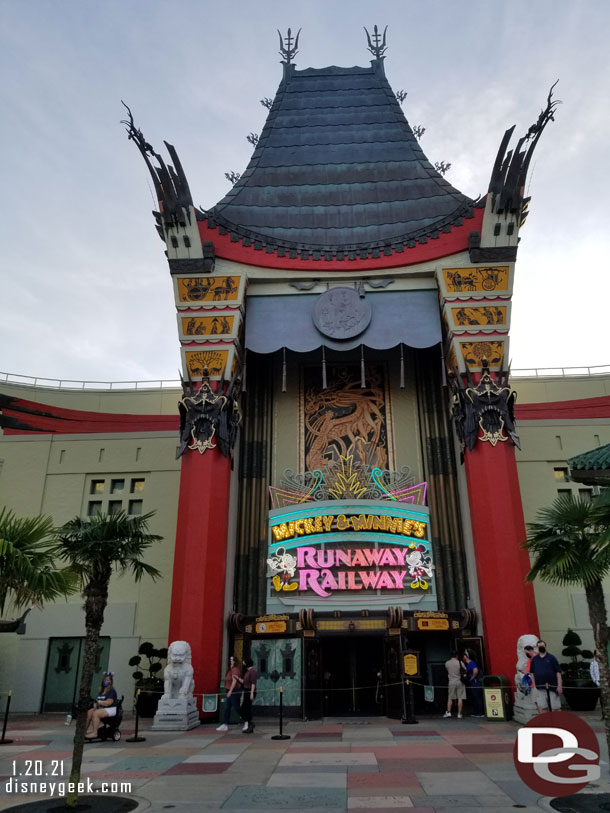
(348, 487)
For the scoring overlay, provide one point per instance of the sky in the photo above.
(85, 291)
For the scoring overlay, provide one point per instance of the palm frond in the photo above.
(568, 543)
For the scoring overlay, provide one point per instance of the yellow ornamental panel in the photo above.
(491, 314)
(200, 290)
(487, 279)
(215, 325)
(474, 352)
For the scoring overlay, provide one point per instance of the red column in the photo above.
(508, 607)
(197, 612)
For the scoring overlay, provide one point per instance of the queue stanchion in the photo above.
(409, 719)
(281, 735)
(135, 737)
(3, 740)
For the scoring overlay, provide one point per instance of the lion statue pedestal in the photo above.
(177, 710)
(525, 707)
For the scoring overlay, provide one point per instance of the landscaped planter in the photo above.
(147, 703)
(581, 695)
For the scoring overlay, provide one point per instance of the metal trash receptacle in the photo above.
(497, 697)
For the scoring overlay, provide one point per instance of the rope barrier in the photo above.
(376, 686)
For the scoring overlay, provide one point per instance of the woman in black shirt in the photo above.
(105, 705)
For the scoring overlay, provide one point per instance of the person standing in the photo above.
(546, 674)
(233, 696)
(474, 689)
(456, 688)
(249, 684)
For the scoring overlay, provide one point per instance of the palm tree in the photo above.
(94, 547)
(28, 572)
(570, 542)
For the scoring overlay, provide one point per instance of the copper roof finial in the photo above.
(376, 47)
(288, 50)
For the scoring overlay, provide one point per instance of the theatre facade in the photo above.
(339, 491)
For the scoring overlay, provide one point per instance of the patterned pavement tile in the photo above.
(146, 763)
(17, 749)
(315, 735)
(401, 732)
(122, 776)
(254, 797)
(301, 769)
(197, 768)
(420, 750)
(486, 748)
(210, 758)
(472, 783)
(382, 780)
(363, 758)
(415, 765)
(376, 802)
(322, 749)
(305, 780)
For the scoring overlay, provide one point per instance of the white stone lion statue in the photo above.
(178, 675)
(523, 657)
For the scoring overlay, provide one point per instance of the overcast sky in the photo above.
(85, 290)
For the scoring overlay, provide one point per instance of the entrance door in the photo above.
(393, 677)
(352, 675)
(64, 669)
(312, 671)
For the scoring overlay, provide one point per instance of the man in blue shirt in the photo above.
(545, 671)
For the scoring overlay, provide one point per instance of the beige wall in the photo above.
(546, 445)
(52, 475)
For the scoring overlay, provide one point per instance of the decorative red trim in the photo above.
(60, 421)
(444, 245)
(197, 612)
(566, 410)
(508, 607)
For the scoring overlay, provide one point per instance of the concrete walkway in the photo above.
(372, 764)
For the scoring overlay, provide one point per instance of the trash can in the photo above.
(497, 697)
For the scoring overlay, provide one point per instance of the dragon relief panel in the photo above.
(344, 419)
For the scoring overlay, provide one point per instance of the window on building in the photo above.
(137, 484)
(97, 486)
(135, 507)
(94, 508)
(115, 506)
(564, 492)
(116, 486)
(561, 475)
(585, 494)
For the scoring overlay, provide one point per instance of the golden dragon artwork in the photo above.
(344, 419)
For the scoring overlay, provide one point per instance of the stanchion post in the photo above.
(4, 740)
(410, 718)
(281, 735)
(135, 737)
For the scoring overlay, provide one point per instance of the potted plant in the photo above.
(147, 677)
(580, 692)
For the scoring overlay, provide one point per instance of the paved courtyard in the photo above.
(335, 765)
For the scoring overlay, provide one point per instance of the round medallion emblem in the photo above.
(341, 313)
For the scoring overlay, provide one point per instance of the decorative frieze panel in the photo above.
(209, 291)
(215, 326)
(476, 281)
(475, 316)
(221, 360)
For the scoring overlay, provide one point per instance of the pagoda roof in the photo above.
(591, 467)
(338, 172)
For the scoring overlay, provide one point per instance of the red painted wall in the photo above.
(197, 613)
(507, 602)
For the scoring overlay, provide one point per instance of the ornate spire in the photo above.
(377, 43)
(289, 46)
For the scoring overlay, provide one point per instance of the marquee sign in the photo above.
(349, 551)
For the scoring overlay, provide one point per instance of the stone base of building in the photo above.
(176, 714)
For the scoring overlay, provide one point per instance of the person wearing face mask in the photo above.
(545, 671)
(105, 705)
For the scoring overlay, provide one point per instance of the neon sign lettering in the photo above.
(321, 571)
(356, 522)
